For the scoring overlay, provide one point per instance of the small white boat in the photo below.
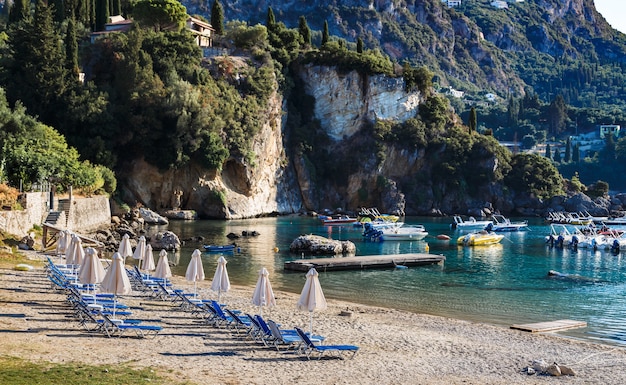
(403, 232)
(501, 223)
(471, 224)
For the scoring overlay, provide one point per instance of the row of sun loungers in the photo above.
(96, 312)
(105, 314)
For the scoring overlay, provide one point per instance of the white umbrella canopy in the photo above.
(116, 280)
(221, 282)
(163, 270)
(75, 253)
(263, 294)
(91, 270)
(125, 249)
(195, 270)
(147, 263)
(69, 251)
(140, 250)
(312, 297)
(61, 243)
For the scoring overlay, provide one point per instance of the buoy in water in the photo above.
(443, 237)
(276, 249)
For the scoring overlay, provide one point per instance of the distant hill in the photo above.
(547, 46)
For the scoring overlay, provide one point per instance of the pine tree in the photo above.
(568, 150)
(325, 33)
(304, 30)
(473, 120)
(548, 153)
(217, 17)
(359, 45)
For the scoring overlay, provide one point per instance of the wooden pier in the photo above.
(364, 262)
(550, 326)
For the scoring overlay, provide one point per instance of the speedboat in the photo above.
(219, 248)
(403, 232)
(501, 223)
(471, 224)
(479, 238)
(339, 220)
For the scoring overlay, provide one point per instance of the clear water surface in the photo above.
(503, 284)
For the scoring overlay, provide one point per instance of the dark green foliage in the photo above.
(420, 78)
(160, 14)
(305, 31)
(557, 155)
(535, 175)
(576, 154)
(557, 115)
(367, 63)
(36, 74)
(271, 19)
(548, 153)
(598, 189)
(359, 45)
(58, 10)
(101, 14)
(325, 34)
(568, 150)
(71, 49)
(217, 17)
(116, 7)
(20, 11)
(473, 120)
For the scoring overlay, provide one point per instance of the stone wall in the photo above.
(18, 222)
(89, 213)
(85, 214)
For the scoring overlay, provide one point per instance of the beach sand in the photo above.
(396, 347)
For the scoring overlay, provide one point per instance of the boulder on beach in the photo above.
(315, 244)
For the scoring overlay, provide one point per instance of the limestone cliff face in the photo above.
(344, 102)
(240, 190)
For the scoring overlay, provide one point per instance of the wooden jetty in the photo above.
(550, 326)
(364, 262)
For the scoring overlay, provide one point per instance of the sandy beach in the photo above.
(395, 347)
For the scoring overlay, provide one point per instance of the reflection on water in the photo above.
(503, 284)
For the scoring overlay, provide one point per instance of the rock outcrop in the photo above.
(318, 245)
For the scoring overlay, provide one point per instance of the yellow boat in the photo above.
(479, 238)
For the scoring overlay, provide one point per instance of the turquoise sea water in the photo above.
(503, 284)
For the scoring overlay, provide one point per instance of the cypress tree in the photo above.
(102, 14)
(568, 150)
(325, 33)
(359, 45)
(576, 154)
(71, 49)
(473, 120)
(557, 155)
(548, 153)
(271, 19)
(217, 17)
(116, 7)
(304, 30)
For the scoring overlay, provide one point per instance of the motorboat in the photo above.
(403, 232)
(501, 223)
(338, 220)
(479, 238)
(220, 248)
(470, 224)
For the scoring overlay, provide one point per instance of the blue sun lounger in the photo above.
(321, 349)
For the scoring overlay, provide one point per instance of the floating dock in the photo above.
(550, 326)
(364, 262)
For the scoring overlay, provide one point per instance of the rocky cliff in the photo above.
(240, 190)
